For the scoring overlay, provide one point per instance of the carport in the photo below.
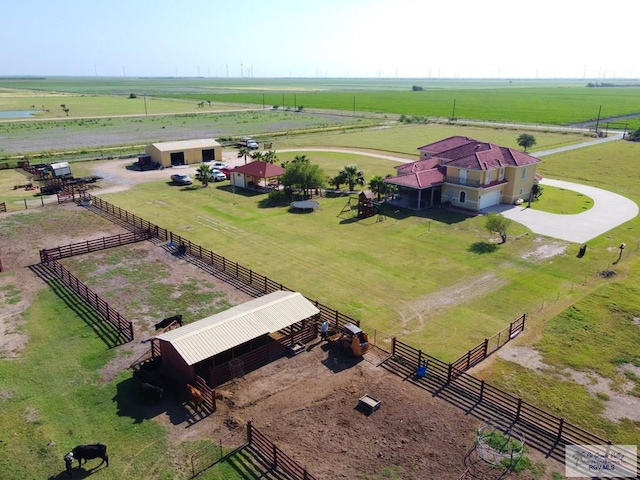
(240, 339)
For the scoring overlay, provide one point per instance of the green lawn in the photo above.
(385, 273)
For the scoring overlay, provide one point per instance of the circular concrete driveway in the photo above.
(609, 210)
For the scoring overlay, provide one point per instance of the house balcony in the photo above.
(474, 183)
(467, 182)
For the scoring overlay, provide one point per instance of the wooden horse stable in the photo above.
(228, 344)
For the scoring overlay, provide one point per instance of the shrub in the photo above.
(133, 95)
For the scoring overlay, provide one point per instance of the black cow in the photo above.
(86, 452)
(168, 321)
(148, 392)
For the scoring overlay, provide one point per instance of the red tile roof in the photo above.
(419, 179)
(260, 169)
(467, 153)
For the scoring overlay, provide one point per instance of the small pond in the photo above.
(18, 113)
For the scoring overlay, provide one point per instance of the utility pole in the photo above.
(354, 104)
(453, 115)
(145, 104)
(598, 121)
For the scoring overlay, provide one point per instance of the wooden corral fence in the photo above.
(490, 345)
(4, 166)
(260, 284)
(217, 450)
(127, 217)
(3, 207)
(444, 379)
(80, 248)
(208, 395)
(121, 324)
(262, 446)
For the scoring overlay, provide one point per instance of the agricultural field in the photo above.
(437, 280)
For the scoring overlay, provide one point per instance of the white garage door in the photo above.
(489, 199)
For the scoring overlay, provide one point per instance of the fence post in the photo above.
(519, 407)
(468, 359)
(250, 277)
(449, 373)
(419, 357)
(481, 391)
(524, 317)
(510, 329)
(393, 346)
(486, 348)
(249, 436)
(265, 284)
(560, 430)
(275, 455)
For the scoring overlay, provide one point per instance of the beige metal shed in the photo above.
(185, 152)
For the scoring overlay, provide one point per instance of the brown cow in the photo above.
(195, 397)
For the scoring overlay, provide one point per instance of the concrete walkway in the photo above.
(609, 210)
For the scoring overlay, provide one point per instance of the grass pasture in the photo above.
(92, 105)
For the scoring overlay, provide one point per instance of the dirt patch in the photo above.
(546, 250)
(618, 405)
(307, 405)
(420, 309)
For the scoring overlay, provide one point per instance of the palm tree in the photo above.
(257, 156)
(244, 152)
(352, 176)
(336, 181)
(203, 174)
(270, 156)
(377, 185)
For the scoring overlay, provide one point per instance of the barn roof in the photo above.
(260, 169)
(186, 144)
(205, 338)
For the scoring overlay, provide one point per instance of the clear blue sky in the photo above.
(327, 38)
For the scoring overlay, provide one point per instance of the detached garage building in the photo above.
(185, 152)
(240, 339)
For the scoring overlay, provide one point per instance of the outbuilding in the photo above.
(240, 339)
(257, 175)
(185, 152)
(60, 169)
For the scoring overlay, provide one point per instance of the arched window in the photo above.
(463, 197)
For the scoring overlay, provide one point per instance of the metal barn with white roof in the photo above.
(250, 334)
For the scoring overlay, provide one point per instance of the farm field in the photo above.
(537, 102)
(438, 280)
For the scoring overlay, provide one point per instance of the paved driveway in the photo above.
(609, 210)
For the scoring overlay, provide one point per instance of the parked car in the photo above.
(181, 179)
(217, 175)
(226, 171)
(219, 165)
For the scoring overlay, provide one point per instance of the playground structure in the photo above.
(365, 206)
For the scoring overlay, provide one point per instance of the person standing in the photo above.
(324, 328)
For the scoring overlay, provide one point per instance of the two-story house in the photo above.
(465, 173)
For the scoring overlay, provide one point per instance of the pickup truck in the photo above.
(250, 143)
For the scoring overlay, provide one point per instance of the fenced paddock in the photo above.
(249, 439)
(544, 430)
(121, 324)
(449, 381)
(88, 246)
(490, 345)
